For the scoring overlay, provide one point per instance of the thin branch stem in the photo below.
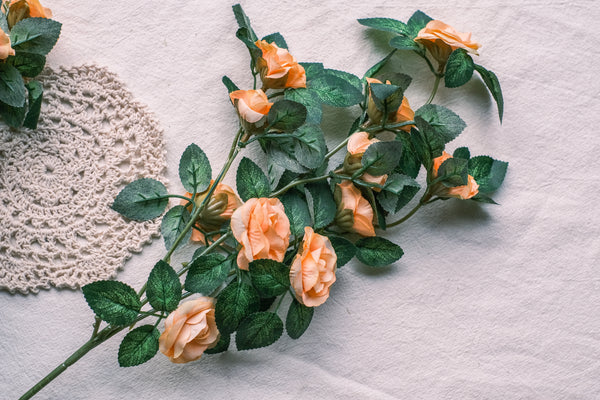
(435, 89)
(298, 182)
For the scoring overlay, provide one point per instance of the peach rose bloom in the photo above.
(263, 230)
(463, 192)
(278, 68)
(313, 269)
(22, 9)
(357, 145)
(5, 48)
(362, 212)
(189, 331)
(223, 202)
(441, 39)
(252, 105)
(404, 113)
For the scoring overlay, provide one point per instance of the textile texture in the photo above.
(57, 182)
(488, 302)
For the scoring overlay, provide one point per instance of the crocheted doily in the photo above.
(57, 182)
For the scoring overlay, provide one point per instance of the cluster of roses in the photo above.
(261, 226)
(15, 11)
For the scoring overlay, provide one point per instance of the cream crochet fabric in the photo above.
(57, 182)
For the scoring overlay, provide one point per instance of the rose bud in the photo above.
(354, 213)
(252, 107)
(403, 114)
(313, 269)
(21, 9)
(263, 230)
(278, 68)
(189, 331)
(463, 192)
(357, 145)
(442, 39)
(5, 47)
(223, 202)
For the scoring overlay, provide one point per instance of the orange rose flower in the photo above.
(313, 269)
(357, 145)
(223, 202)
(263, 230)
(278, 68)
(354, 211)
(22, 9)
(5, 48)
(442, 39)
(252, 105)
(403, 114)
(463, 192)
(189, 331)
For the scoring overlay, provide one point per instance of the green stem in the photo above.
(208, 249)
(388, 127)
(338, 148)
(281, 93)
(435, 89)
(100, 338)
(298, 182)
(424, 200)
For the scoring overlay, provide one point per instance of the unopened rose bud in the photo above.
(354, 213)
(441, 40)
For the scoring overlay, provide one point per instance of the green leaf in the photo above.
(235, 302)
(409, 160)
(487, 172)
(404, 43)
(231, 87)
(401, 80)
(491, 81)
(243, 21)
(323, 204)
(141, 200)
(482, 198)
(377, 251)
(307, 146)
(246, 37)
(113, 301)
(301, 152)
(12, 87)
(138, 346)
(344, 249)
(269, 277)
(298, 319)
(277, 39)
(28, 64)
(221, 346)
(397, 192)
(173, 224)
(13, 116)
(421, 147)
(163, 287)
(385, 24)
(36, 94)
(286, 115)
(206, 273)
(251, 181)
(309, 99)
(296, 209)
(417, 22)
(335, 91)
(312, 70)
(459, 68)
(462, 152)
(35, 35)
(381, 158)
(377, 67)
(387, 98)
(453, 172)
(439, 125)
(260, 329)
(194, 169)
(352, 79)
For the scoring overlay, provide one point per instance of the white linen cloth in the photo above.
(488, 302)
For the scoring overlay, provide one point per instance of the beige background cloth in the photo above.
(489, 302)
